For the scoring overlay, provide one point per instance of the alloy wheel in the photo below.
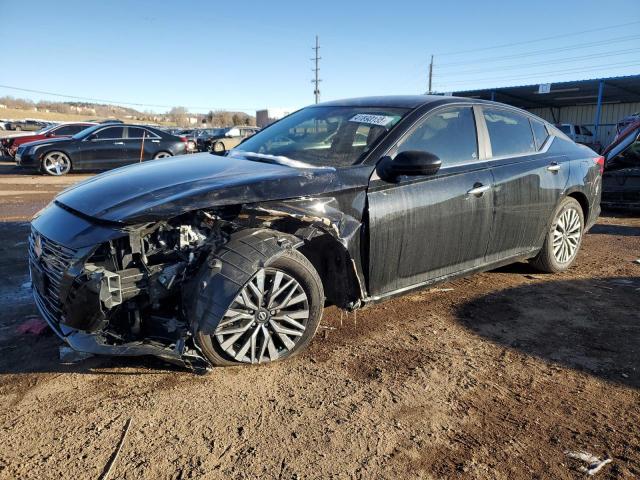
(56, 163)
(266, 320)
(566, 235)
(162, 155)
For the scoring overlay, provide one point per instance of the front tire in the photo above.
(563, 239)
(274, 315)
(56, 164)
(218, 147)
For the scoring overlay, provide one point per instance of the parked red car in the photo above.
(10, 145)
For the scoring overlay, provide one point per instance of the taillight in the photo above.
(600, 162)
(183, 139)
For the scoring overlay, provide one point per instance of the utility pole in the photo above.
(316, 81)
(430, 91)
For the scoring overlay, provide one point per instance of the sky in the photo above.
(248, 55)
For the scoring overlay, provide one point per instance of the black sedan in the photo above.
(101, 147)
(213, 260)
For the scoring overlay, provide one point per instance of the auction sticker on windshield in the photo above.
(381, 120)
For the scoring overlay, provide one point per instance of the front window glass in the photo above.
(324, 136)
(510, 133)
(449, 134)
(109, 133)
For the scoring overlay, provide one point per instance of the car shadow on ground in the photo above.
(619, 230)
(589, 325)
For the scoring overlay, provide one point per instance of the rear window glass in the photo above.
(509, 132)
(566, 129)
(539, 132)
(138, 132)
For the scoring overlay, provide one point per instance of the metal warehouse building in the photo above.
(597, 103)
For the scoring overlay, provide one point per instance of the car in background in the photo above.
(580, 134)
(621, 178)
(224, 139)
(10, 145)
(625, 122)
(26, 125)
(223, 260)
(100, 147)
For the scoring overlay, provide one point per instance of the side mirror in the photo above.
(410, 163)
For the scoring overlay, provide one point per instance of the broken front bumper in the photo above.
(59, 245)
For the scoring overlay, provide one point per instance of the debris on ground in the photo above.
(69, 355)
(32, 326)
(116, 453)
(594, 464)
(440, 290)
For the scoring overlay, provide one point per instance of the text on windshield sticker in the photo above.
(381, 120)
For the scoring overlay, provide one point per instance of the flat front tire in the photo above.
(273, 316)
(563, 238)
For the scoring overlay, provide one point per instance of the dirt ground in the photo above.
(495, 376)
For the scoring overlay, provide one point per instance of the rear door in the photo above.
(528, 181)
(425, 227)
(141, 144)
(104, 149)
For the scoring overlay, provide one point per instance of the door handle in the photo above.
(479, 189)
(155, 141)
(554, 167)
(118, 143)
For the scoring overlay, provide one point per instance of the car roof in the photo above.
(398, 101)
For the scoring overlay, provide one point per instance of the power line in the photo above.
(115, 102)
(541, 52)
(526, 42)
(538, 74)
(316, 81)
(548, 62)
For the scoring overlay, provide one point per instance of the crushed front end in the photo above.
(117, 290)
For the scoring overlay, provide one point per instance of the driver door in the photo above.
(423, 228)
(104, 149)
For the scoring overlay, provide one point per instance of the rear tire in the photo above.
(563, 239)
(162, 155)
(268, 333)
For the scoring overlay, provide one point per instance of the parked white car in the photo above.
(580, 134)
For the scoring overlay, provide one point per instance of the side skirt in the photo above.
(447, 278)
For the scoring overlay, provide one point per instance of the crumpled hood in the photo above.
(161, 189)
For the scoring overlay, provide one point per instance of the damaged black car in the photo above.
(222, 260)
(621, 179)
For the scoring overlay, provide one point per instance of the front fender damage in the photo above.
(150, 290)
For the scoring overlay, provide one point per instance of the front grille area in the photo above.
(53, 262)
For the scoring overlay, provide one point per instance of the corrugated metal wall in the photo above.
(586, 114)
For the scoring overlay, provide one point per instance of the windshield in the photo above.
(324, 136)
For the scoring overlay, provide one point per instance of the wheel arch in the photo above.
(582, 199)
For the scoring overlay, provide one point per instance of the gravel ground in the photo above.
(494, 376)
